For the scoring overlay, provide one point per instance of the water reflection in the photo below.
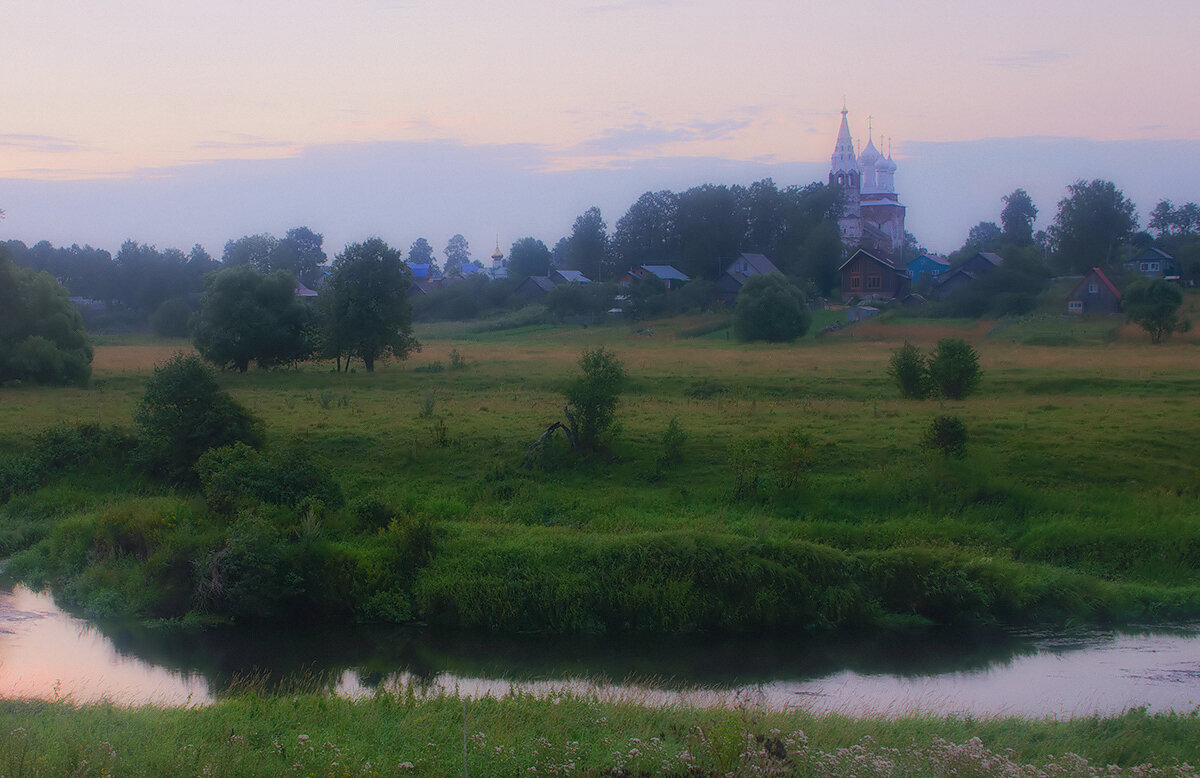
(979, 672)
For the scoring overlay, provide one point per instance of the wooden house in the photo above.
(865, 275)
(535, 288)
(1153, 263)
(1095, 295)
(739, 271)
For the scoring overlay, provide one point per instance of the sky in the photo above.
(176, 123)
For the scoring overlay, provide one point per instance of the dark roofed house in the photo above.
(739, 271)
(535, 288)
(1095, 295)
(865, 275)
(569, 277)
(966, 273)
(1153, 263)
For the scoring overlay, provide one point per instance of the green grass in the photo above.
(432, 734)
(1079, 497)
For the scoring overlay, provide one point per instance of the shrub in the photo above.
(254, 574)
(1154, 306)
(171, 318)
(672, 444)
(791, 458)
(592, 398)
(184, 413)
(954, 368)
(908, 369)
(745, 465)
(372, 513)
(770, 308)
(238, 475)
(946, 435)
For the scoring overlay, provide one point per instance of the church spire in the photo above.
(843, 160)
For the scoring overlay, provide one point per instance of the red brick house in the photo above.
(866, 275)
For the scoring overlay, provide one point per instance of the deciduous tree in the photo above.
(588, 250)
(246, 317)
(528, 257)
(1017, 217)
(41, 334)
(1153, 305)
(457, 253)
(1093, 219)
(366, 303)
(770, 308)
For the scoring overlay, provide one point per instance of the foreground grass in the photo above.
(409, 733)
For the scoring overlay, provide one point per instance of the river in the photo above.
(46, 653)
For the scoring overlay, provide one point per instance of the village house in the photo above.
(966, 273)
(569, 277)
(670, 277)
(1153, 263)
(867, 276)
(1095, 295)
(739, 271)
(534, 288)
(926, 267)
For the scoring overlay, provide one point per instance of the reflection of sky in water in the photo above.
(44, 651)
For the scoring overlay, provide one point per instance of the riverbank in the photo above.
(411, 733)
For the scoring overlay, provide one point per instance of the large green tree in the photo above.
(41, 334)
(1017, 217)
(301, 253)
(458, 253)
(646, 234)
(246, 317)
(368, 314)
(587, 251)
(528, 257)
(250, 250)
(1092, 221)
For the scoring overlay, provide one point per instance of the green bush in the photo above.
(908, 369)
(372, 513)
(954, 368)
(18, 475)
(672, 444)
(171, 318)
(792, 456)
(770, 308)
(592, 398)
(946, 435)
(254, 575)
(238, 475)
(184, 413)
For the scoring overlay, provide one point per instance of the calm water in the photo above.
(45, 652)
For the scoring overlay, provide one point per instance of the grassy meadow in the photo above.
(1078, 500)
(412, 733)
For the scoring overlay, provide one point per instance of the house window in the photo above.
(856, 282)
(1093, 288)
(874, 282)
(1075, 306)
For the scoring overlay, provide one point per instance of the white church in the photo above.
(872, 217)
